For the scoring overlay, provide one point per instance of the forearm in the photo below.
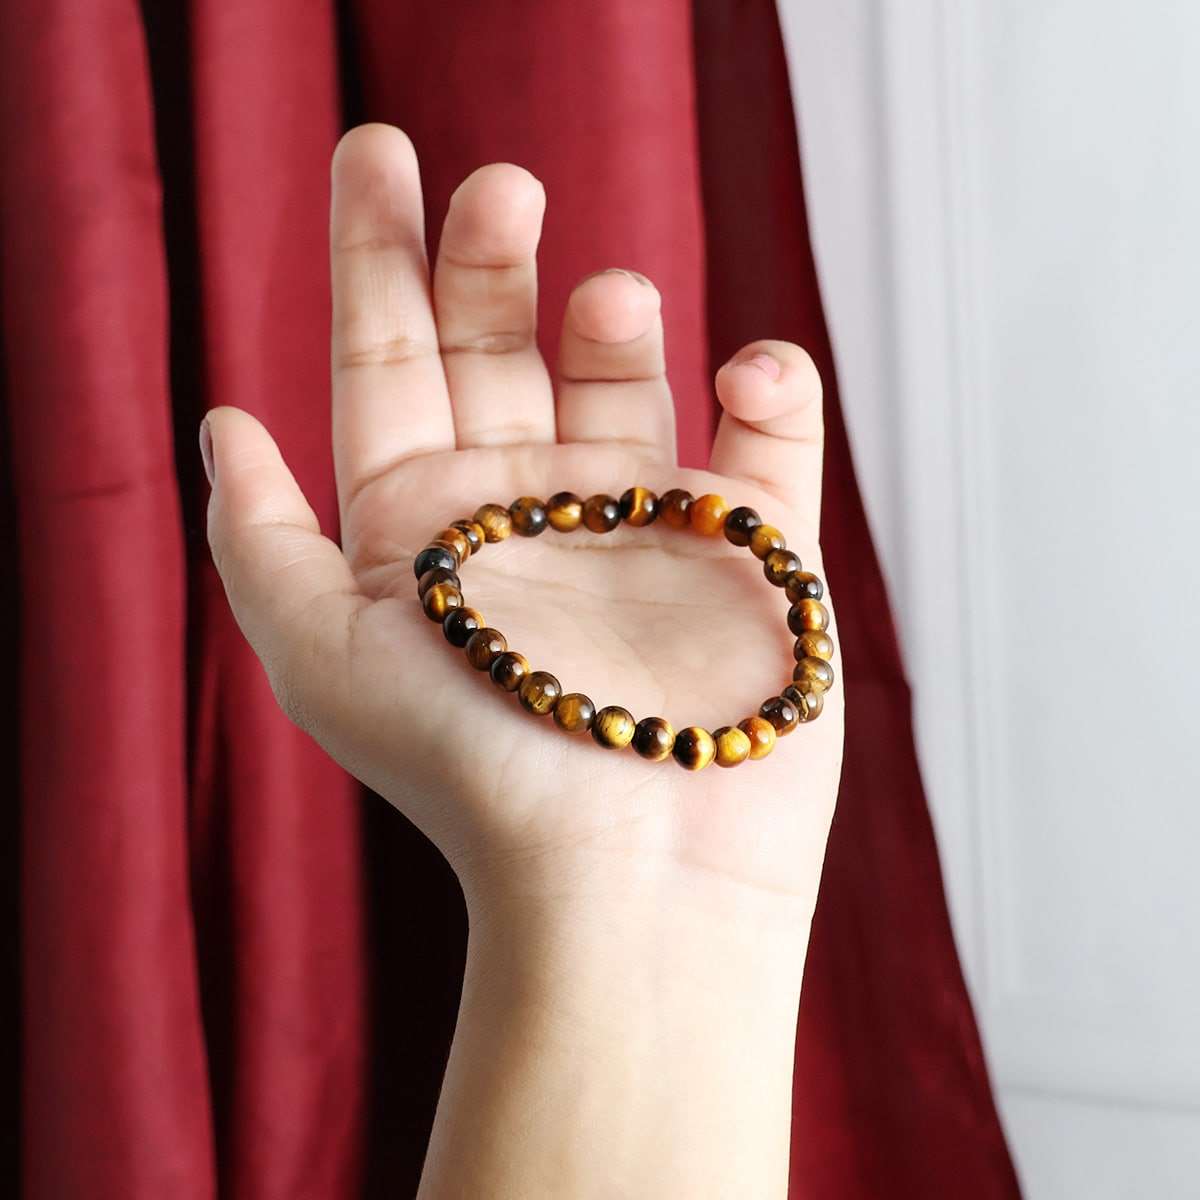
(635, 1044)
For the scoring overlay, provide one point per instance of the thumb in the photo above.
(291, 590)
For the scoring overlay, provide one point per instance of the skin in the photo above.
(638, 931)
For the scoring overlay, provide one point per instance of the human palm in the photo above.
(442, 403)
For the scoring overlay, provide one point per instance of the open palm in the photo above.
(441, 402)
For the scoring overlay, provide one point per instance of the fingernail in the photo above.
(635, 275)
(206, 452)
(764, 362)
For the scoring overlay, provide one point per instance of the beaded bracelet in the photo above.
(540, 693)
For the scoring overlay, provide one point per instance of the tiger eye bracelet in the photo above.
(439, 590)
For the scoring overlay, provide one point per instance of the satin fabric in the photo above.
(238, 974)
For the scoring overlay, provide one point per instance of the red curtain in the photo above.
(238, 975)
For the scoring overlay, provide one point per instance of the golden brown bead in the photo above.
(483, 646)
(813, 674)
(708, 514)
(495, 522)
(441, 600)
(764, 539)
(601, 514)
(436, 575)
(473, 531)
(639, 506)
(675, 507)
(508, 670)
(803, 585)
(808, 614)
(781, 713)
(733, 745)
(613, 727)
(539, 693)
(761, 733)
(457, 539)
(694, 748)
(778, 565)
(574, 713)
(435, 556)
(813, 643)
(740, 524)
(653, 738)
(460, 624)
(528, 515)
(564, 511)
(807, 700)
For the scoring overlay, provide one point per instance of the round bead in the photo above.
(539, 693)
(761, 733)
(694, 748)
(708, 514)
(460, 624)
(814, 643)
(808, 614)
(764, 539)
(639, 506)
(435, 556)
(564, 511)
(483, 646)
(653, 738)
(528, 515)
(508, 669)
(733, 745)
(441, 600)
(495, 522)
(613, 727)
(601, 514)
(675, 507)
(574, 713)
(740, 524)
(781, 713)
(808, 702)
(473, 531)
(813, 674)
(778, 565)
(803, 585)
(436, 575)
(457, 539)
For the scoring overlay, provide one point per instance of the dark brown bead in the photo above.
(808, 701)
(601, 514)
(639, 506)
(613, 727)
(808, 614)
(457, 539)
(474, 532)
(764, 539)
(707, 514)
(508, 669)
(778, 565)
(441, 600)
(761, 733)
(733, 745)
(813, 643)
(653, 738)
(460, 624)
(781, 713)
(564, 511)
(674, 506)
(574, 713)
(484, 645)
(740, 524)
(495, 522)
(694, 748)
(803, 585)
(435, 556)
(813, 674)
(539, 693)
(437, 575)
(528, 515)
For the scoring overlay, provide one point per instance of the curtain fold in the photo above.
(240, 975)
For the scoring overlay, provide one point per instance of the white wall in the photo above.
(1005, 198)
